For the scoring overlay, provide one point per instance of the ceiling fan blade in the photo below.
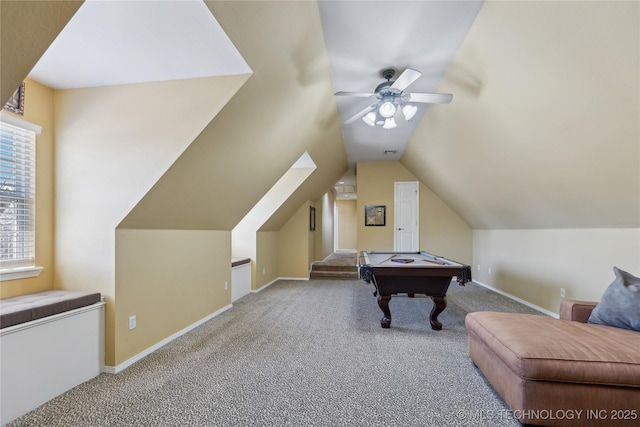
(357, 94)
(430, 98)
(360, 114)
(406, 78)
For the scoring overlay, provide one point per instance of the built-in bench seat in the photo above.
(240, 277)
(236, 262)
(50, 342)
(25, 308)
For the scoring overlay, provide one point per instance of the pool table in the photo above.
(411, 273)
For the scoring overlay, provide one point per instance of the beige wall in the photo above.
(168, 279)
(267, 258)
(112, 144)
(534, 264)
(38, 109)
(295, 245)
(442, 231)
(244, 240)
(347, 224)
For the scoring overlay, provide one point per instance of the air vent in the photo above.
(345, 189)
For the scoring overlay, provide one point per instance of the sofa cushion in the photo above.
(547, 349)
(620, 303)
(25, 308)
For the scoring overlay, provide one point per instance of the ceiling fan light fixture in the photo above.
(389, 123)
(392, 96)
(387, 109)
(409, 111)
(370, 118)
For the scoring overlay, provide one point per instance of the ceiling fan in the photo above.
(390, 98)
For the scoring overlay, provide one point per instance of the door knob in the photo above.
(400, 229)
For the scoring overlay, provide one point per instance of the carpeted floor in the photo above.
(302, 353)
(341, 258)
(339, 265)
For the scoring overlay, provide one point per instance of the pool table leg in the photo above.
(383, 303)
(439, 304)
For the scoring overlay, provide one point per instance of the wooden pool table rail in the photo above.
(432, 281)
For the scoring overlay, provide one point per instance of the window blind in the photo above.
(17, 196)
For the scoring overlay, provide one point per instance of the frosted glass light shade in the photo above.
(409, 111)
(370, 118)
(387, 109)
(390, 123)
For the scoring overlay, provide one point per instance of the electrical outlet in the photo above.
(478, 267)
(264, 270)
(562, 293)
(132, 322)
(226, 285)
(489, 270)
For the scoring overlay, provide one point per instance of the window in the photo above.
(17, 193)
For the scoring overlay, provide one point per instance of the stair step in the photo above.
(333, 275)
(329, 267)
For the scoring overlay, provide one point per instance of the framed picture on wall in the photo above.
(375, 215)
(312, 218)
(16, 102)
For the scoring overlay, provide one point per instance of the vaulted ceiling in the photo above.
(543, 130)
(363, 38)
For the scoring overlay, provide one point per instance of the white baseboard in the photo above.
(521, 301)
(263, 287)
(121, 367)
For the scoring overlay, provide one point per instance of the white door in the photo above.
(406, 217)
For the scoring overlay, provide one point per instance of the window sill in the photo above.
(19, 273)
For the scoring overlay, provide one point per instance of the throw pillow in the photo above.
(620, 304)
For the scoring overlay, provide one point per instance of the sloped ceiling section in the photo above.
(308, 190)
(110, 43)
(21, 46)
(544, 130)
(286, 107)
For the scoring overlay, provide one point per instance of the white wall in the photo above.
(325, 218)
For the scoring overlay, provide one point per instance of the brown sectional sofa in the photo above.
(559, 372)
